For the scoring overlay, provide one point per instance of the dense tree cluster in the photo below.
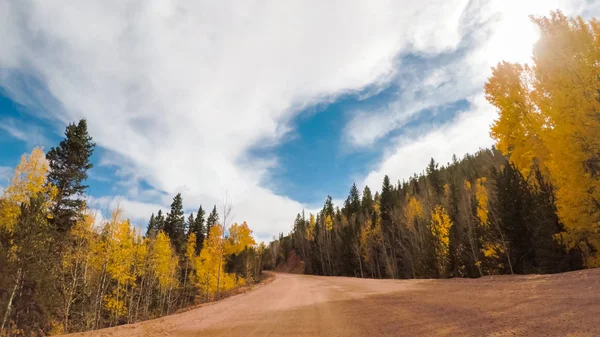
(476, 216)
(61, 272)
(531, 206)
(550, 119)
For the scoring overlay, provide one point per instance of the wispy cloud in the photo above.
(494, 31)
(488, 32)
(180, 91)
(31, 134)
(410, 153)
(5, 175)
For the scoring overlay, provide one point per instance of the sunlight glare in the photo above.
(515, 34)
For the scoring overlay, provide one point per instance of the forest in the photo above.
(62, 272)
(530, 204)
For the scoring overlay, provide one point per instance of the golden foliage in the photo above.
(240, 237)
(164, 262)
(190, 248)
(548, 116)
(414, 211)
(310, 229)
(328, 223)
(29, 181)
(440, 229)
(481, 195)
(370, 237)
(209, 272)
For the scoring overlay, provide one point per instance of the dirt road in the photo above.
(297, 305)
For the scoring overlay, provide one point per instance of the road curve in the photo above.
(300, 305)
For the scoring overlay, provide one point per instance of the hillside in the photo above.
(293, 264)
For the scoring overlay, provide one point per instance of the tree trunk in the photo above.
(11, 298)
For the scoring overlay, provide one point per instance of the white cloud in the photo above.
(33, 135)
(510, 38)
(491, 31)
(181, 90)
(410, 154)
(137, 212)
(5, 175)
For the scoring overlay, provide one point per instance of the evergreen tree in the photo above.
(69, 163)
(386, 203)
(367, 200)
(328, 207)
(213, 219)
(151, 229)
(528, 219)
(199, 230)
(175, 224)
(433, 173)
(353, 200)
(159, 221)
(190, 224)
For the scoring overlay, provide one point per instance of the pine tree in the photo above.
(151, 229)
(213, 219)
(433, 173)
(175, 224)
(69, 163)
(367, 201)
(159, 221)
(386, 204)
(199, 230)
(190, 223)
(328, 207)
(353, 201)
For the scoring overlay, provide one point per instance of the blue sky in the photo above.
(273, 105)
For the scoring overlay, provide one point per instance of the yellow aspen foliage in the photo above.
(370, 238)
(492, 250)
(364, 241)
(209, 265)
(310, 229)
(190, 247)
(206, 264)
(548, 116)
(120, 268)
(481, 195)
(29, 181)
(569, 50)
(328, 223)
(240, 237)
(447, 191)
(440, 229)
(141, 256)
(164, 262)
(518, 130)
(190, 255)
(414, 211)
(377, 211)
(73, 271)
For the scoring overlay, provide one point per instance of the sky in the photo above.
(271, 104)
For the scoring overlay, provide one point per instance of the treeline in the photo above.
(60, 272)
(473, 217)
(532, 206)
